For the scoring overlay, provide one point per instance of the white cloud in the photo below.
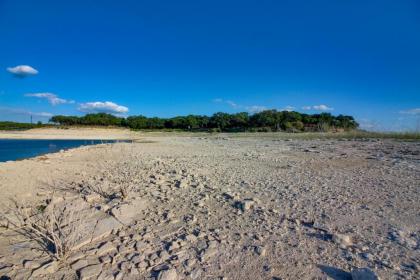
(321, 107)
(415, 111)
(41, 114)
(234, 105)
(102, 107)
(22, 70)
(255, 108)
(287, 108)
(51, 97)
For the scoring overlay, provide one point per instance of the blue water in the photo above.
(11, 149)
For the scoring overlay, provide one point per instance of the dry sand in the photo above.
(221, 207)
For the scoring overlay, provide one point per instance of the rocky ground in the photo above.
(219, 207)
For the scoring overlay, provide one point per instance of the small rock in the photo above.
(207, 254)
(343, 240)
(79, 264)
(181, 184)
(363, 274)
(261, 251)
(47, 268)
(140, 245)
(92, 197)
(170, 274)
(105, 248)
(90, 272)
(245, 205)
(119, 276)
(31, 264)
(142, 266)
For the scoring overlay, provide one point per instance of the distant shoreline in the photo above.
(70, 134)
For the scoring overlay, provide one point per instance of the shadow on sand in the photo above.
(335, 273)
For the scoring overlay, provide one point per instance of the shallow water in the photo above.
(16, 149)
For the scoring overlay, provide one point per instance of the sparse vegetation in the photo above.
(54, 228)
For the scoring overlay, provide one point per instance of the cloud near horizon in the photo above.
(22, 71)
(102, 107)
(52, 98)
(288, 108)
(234, 105)
(321, 107)
(414, 111)
(25, 112)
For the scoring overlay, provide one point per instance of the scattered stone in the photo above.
(119, 276)
(207, 254)
(90, 272)
(245, 205)
(105, 248)
(261, 251)
(169, 274)
(142, 266)
(45, 269)
(90, 198)
(342, 240)
(31, 264)
(181, 184)
(101, 227)
(127, 213)
(79, 264)
(140, 245)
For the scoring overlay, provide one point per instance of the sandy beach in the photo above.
(220, 207)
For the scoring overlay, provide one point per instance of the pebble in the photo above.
(261, 251)
(169, 274)
(342, 240)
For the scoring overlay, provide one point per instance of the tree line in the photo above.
(268, 120)
(19, 126)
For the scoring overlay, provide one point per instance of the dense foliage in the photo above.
(18, 126)
(269, 120)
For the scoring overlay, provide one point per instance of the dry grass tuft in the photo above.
(54, 228)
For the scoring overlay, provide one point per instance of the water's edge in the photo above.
(20, 149)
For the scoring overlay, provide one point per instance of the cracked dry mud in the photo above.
(226, 208)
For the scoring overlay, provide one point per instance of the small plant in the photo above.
(54, 229)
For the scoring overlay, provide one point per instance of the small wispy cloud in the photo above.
(414, 111)
(22, 71)
(102, 107)
(52, 98)
(236, 106)
(255, 108)
(233, 104)
(18, 111)
(321, 107)
(288, 108)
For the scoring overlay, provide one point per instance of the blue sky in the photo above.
(167, 58)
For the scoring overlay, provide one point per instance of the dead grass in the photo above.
(52, 229)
